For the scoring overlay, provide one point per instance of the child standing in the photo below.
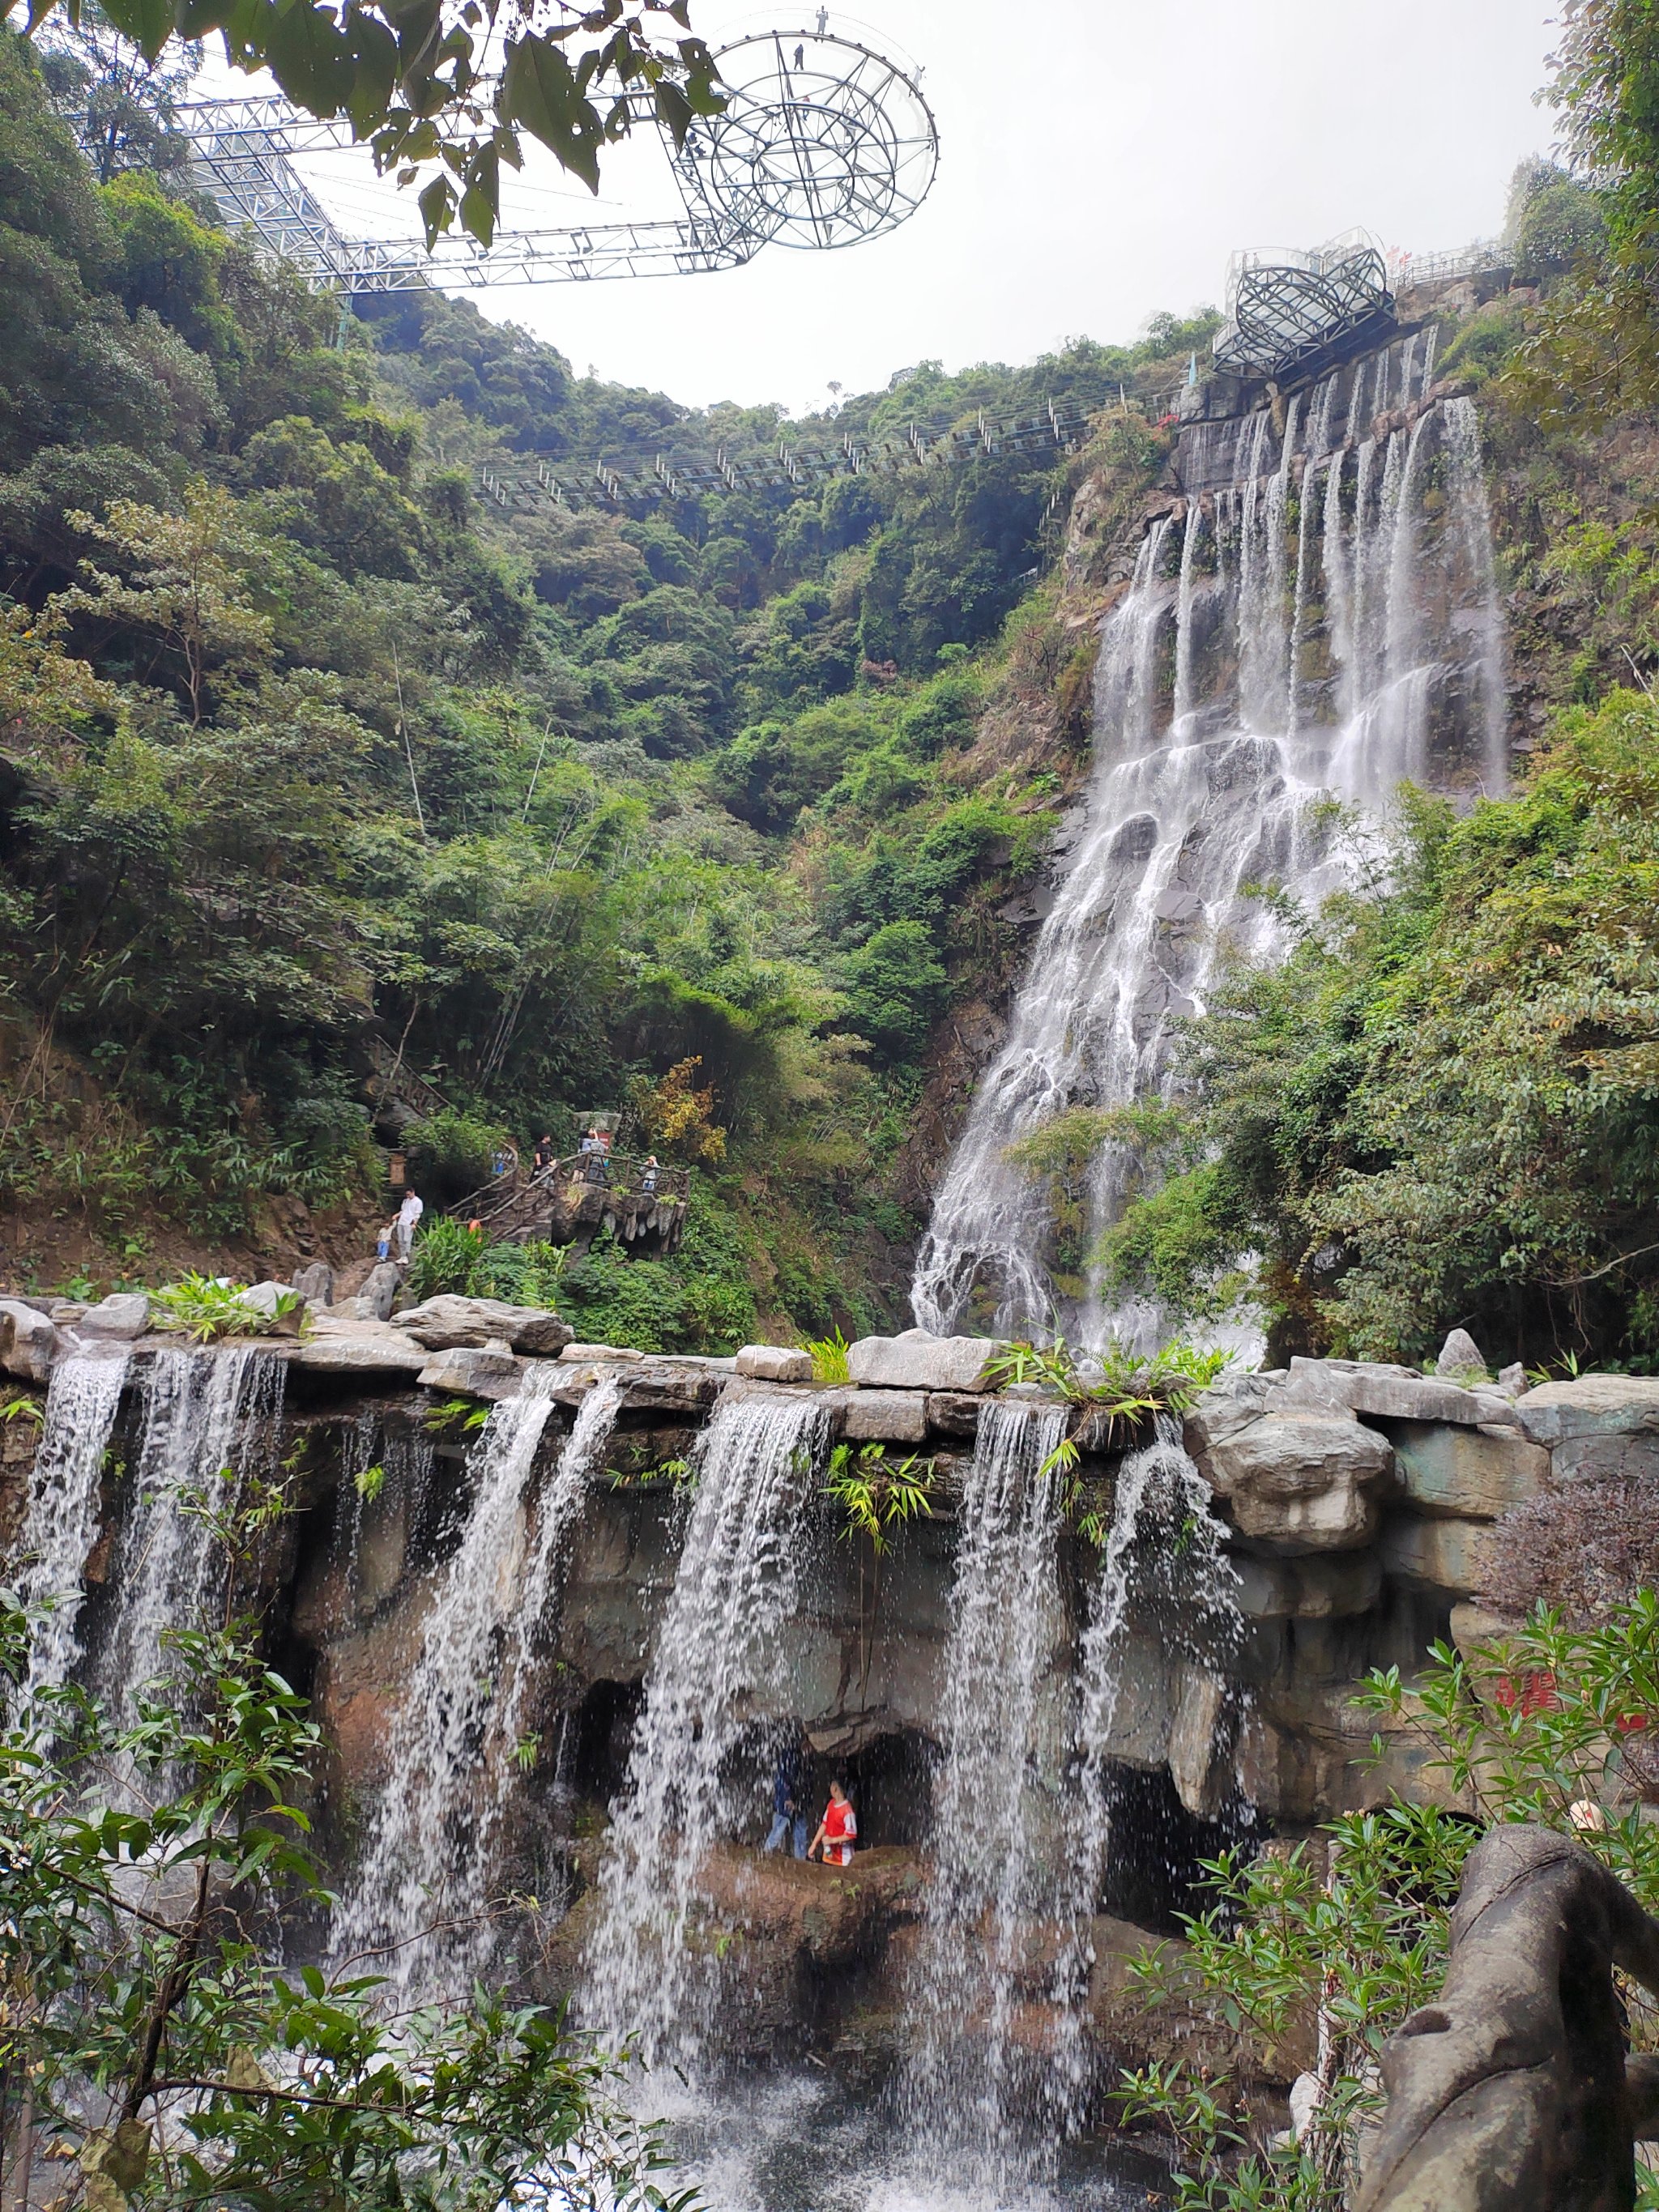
(837, 1829)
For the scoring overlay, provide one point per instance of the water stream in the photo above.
(1321, 623)
(210, 1423)
(974, 2091)
(715, 1653)
(60, 1521)
(429, 1868)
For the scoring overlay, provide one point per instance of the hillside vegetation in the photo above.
(304, 746)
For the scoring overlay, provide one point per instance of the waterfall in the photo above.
(60, 1520)
(426, 1875)
(1376, 658)
(210, 1419)
(645, 1976)
(974, 2089)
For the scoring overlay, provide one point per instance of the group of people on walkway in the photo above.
(836, 1833)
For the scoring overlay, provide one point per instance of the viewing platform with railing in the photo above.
(576, 1199)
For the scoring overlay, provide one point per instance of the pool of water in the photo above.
(800, 2142)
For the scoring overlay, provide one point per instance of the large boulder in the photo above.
(1461, 1360)
(1470, 1473)
(28, 1341)
(450, 1322)
(893, 1417)
(1309, 1483)
(774, 1362)
(315, 1283)
(1599, 1425)
(122, 1314)
(379, 1290)
(341, 1345)
(475, 1370)
(1394, 1394)
(279, 1304)
(917, 1361)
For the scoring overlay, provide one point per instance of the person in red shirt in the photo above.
(837, 1829)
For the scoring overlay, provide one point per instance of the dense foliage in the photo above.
(152, 2036)
(306, 752)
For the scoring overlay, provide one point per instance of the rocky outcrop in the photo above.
(774, 1362)
(1599, 1425)
(451, 1323)
(29, 1342)
(1512, 2087)
(1308, 1483)
(917, 1361)
(123, 1314)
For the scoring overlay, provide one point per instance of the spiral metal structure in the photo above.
(822, 143)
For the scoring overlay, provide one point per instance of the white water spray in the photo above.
(972, 2094)
(1380, 660)
(645, 1975)
(427, 1869)
(60, 1522)
(209, 1418)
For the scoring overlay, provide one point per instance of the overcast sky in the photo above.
(1100, 160)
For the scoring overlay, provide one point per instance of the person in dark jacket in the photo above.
(789, 1796)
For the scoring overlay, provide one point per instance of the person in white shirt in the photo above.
(408, 1214)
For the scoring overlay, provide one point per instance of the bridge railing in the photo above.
(516, 1189)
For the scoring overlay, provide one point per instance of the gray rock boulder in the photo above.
(590, 1355)
(1600, 1425)
(1460, 1358)
(451, 1323)
(124, 1313)
(1395, 1394)
(341, 1344)
(1309, 1483)
(475, 1370)
(774, 1362)
(280, 1304)
(893, 1417)
(315, 1283)
(1469, 1474)
(28, 1341)
(375, 1300)
(917, 1361)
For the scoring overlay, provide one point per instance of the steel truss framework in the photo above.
(1287, 311)
(641, 483)
(822, 143)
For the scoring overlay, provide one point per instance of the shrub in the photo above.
(446, 1258)
(1584, 1549)
(454, 1151)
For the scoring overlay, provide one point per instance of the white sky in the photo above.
(1100, 160)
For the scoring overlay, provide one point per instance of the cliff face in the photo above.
(1355, 1502)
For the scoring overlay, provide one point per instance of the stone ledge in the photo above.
(1467, 1473)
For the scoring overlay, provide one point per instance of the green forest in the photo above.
(306, 746)
(718, 818)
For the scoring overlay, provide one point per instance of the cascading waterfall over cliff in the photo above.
(998, 1821)
(1023, 1806)
(1321, 624)
(61, 1518)
(427, 1868)
(645, 1977)
(211, 1419)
